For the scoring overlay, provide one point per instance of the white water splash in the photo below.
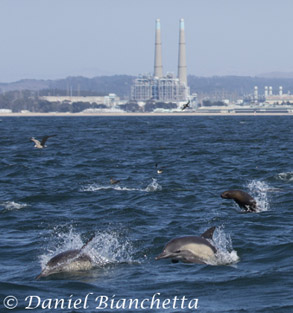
(223, 243)
(153, 186)
(285, 176)
(105, 248)
(11, 205)
(97, 187)
(259, 191)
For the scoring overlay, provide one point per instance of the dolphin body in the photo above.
(68, 261)
(191, 249)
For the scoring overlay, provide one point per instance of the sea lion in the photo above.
(242, 198)
(191, 249)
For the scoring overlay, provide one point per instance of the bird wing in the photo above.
(36, 141)
(186, 105)
(45, 138)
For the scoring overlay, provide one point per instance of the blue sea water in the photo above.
(55, 199)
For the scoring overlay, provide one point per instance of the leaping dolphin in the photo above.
(41, 144)
(191, 249)
(68, 261)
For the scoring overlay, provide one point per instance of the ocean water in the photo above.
(55, 199)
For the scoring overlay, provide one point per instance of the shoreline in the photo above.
(36, 114)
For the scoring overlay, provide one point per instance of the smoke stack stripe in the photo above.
(182, 73)
(158, 68)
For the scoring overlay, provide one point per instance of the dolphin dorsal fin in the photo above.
(91, 238)
(208, 234)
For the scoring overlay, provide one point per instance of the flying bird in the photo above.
(186, 105)
(41, 144)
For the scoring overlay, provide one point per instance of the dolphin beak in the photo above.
(163, 255)
(39, 276)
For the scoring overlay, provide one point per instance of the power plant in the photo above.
(160, 88)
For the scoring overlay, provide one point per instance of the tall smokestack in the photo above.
(158, 68)
(182, 75)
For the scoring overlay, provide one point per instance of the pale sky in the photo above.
(50, 39)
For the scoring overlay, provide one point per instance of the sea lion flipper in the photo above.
(208, 234)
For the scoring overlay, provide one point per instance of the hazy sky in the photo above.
(49, 39)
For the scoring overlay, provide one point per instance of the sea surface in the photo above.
(55, 199)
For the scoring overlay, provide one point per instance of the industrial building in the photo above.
(160, 88)
(110, 100)
(269, 98)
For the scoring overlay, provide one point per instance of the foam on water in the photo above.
(259, 191)
(223, 243)
(153, 186)
(287, 176)
(97, 187)
(11, 205)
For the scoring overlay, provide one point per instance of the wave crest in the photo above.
(286, 176)
(153, 186)
(11, 205)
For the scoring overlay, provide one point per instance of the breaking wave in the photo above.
(11, 205)
(153, 186)
(285, 176)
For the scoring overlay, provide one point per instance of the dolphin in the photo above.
(191, 249)
(68, 261)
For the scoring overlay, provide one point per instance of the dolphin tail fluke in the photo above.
(208, 234)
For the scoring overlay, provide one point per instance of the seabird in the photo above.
(186, 105)
(41, 145)
(159, 170)
(114, 181)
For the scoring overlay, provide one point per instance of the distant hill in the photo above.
(118, 84)
(25, 84)
(215, 87)
(276, 75)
